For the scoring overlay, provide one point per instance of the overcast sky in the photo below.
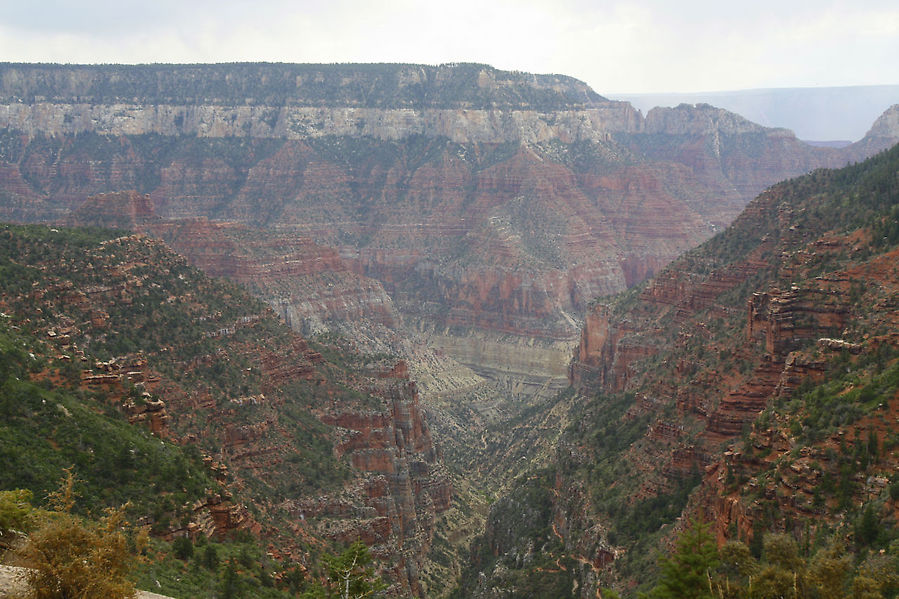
(616, 47)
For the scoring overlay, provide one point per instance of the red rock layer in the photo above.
(253, 391)
(475, 234)
(299, 278)
(404, 487)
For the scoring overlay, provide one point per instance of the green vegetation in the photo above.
(858, 388)
(69, 556)
(841, 200)
(698, 569)
(238, 568)
(627, 463)
(157, 306)
(194, 331)
(43, 431)
(74, 556)
(16, 516)
(686, 574)
(212, 569)
(531, 558)
(350, 575)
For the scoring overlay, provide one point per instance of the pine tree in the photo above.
(350, 575)
(687, 573)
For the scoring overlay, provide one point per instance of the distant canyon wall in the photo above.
(302, 122)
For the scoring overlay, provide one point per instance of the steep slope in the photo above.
(452, 214)
(757, 372)
(48, 426)
(881, 134)
(492, 206)
(308, 447)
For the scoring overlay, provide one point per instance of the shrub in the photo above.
(71, 557)
(16, 515)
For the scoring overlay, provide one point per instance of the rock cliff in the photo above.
(881, 135)
(747, 383)
(481, 211)
(487, 200)
(301, 122)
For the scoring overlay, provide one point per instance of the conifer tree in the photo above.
(350, 576)
(687, 573)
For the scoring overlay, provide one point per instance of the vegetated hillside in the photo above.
(49, 426)
(258, 433)
(753, 383)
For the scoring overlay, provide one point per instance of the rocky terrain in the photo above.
(302, 447)
(490, 206)
(752, 383)
(463, 219)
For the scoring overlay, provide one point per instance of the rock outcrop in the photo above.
(300, 122)
(881, 135)
(277, 423)
(404, 488)
(305, 283)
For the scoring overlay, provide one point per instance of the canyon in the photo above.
(486, 209)
(748, 385)
(297, 448)
(461, 220)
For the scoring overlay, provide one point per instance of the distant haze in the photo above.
(813, 113)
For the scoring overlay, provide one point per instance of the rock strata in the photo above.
(404, 486)
(484, 200)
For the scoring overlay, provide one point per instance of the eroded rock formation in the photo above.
(481, 200)
(278, 423)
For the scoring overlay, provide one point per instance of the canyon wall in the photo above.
(750, 372)
(301, 122)
(477, 211)
(306, 449)
(480, 200)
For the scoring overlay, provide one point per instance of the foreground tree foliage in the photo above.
(16, 516)
(350, 576)
(687, 573)
(698, 569)
(69, 557)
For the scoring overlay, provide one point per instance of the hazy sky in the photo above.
(626, 46)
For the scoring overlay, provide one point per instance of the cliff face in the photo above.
(300, 122)
(482, 210)
(305, 283)
(487, 200)
(800, 445)
(404, 489)
(747, 383)
(370, 85)
(883, 131)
